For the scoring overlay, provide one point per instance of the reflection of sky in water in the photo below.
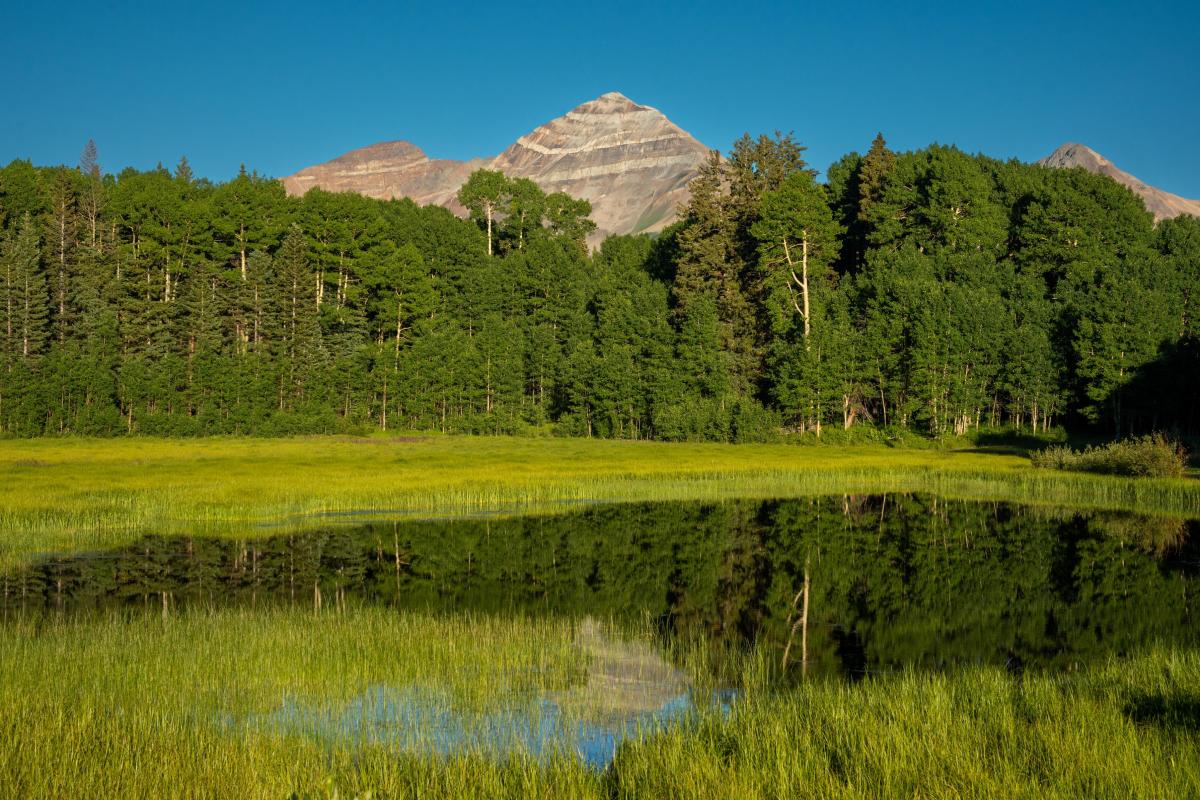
(424, 721)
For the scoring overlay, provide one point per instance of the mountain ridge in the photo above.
(629, 160)
(1163, 205)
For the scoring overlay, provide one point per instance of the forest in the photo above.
(929, 291)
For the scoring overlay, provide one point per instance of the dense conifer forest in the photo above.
(932, 291)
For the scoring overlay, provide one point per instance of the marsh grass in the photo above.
(71, 495)
(136, 706)
(978, 733)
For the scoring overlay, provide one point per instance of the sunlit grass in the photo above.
(141, 706)
(66, 494)
(1121, 729)
(145, 706)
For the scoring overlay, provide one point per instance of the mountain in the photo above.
(386, 170)
(629, 160)
(1163, 205)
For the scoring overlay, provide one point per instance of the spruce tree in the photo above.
(61, 228)
(300, 346)
(876, 166)
(26, 302)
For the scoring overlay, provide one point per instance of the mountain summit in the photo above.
(629, 160)
(1163, 205)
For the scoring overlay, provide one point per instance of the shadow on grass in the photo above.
(1012, 442)
(1169, 712)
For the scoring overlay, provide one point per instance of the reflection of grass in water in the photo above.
(78, 494)
(1155, 535)
(133, 708)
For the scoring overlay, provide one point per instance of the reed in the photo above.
(142, 706)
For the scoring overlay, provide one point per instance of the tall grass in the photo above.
(78, 494)
(142, 707)
(1122, 729)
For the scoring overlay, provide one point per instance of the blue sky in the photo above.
(280, 86)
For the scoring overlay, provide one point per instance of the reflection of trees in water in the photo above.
(895, 580)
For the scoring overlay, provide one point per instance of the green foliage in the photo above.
(1151, 456)
(944, 294)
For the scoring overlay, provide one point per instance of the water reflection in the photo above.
(895, 581)
(630, 691)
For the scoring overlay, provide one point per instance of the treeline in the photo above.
(931, 291)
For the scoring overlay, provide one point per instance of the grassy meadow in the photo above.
(203, 702)
(147, 707)
(73, 494)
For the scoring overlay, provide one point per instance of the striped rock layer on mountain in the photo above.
(1163, 205)
(629, 160)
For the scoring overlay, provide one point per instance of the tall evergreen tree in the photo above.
(26, 303)
(299, 346)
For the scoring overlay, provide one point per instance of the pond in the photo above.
(836, 588)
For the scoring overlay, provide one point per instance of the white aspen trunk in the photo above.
(801, 281)
(399, 329)
(489, 226)
(383, 408)
(489, 385)
(804, 287)
(25, 324)
(62, 272)
(8, 309)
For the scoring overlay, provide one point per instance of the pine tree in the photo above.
(61, 228)
(183, 171)
(26, 303)
(93, 196)
(876, 166)
(300, 346)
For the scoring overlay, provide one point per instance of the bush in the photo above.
(1153, 456)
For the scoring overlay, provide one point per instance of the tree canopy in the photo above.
(930, 290)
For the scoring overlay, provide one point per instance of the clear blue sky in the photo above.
(280, 86)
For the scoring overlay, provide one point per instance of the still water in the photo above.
(893, 582)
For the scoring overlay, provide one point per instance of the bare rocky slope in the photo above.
(629, 160)
(1163, 205)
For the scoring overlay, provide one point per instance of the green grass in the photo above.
(147, 707)
(72, 494)
(142, 706)
(1122, 729)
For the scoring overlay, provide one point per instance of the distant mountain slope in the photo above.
(629, 160)
(1163, 205)
(386, 170)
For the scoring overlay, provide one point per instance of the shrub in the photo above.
(1153, 456)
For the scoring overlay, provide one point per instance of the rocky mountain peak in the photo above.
(1073, 154)
(1163, 205)
(630, 161)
